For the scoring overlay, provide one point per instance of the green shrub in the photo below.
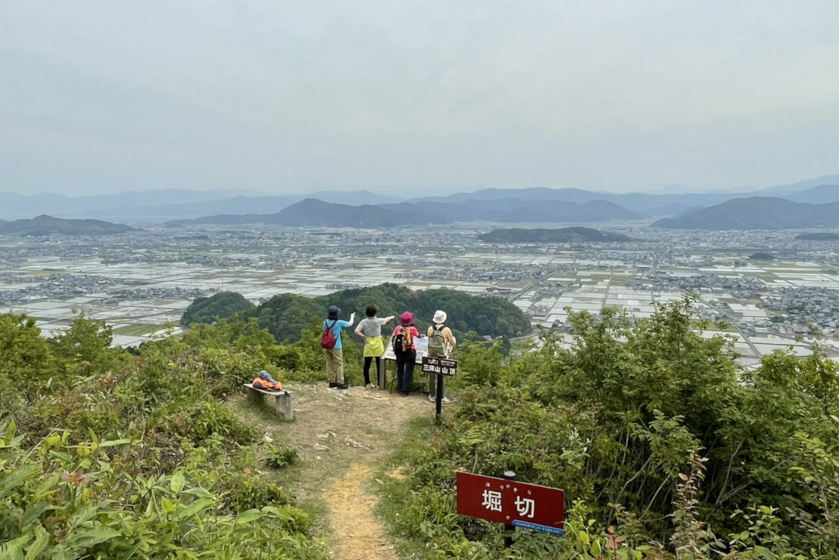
(63, 501)
(208, 417)
(656, 434)
(280, 457)
(250, 491)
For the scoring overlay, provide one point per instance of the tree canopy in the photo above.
(287, 315)
(222, 305)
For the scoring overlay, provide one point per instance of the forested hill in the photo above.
(48, 225)
(760, 212)
(562, 235)
(286, 315)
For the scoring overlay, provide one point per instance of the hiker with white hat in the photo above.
(441, 343)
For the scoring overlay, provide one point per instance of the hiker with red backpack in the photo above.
(405, 351)
(331, 343)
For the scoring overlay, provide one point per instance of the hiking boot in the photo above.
(333, 385)
(370, 386)
(431, 398)
(446, 400)
(342, 386)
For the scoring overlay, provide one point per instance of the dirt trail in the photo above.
(341, 438)
(351, 510)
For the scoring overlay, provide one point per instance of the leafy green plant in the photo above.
(110, 454)
(208, 417)
(280, 456)
(63, 500)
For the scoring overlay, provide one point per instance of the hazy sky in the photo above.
(105, 96)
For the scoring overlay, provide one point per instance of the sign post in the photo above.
(509, 475)
(440, 367)
(514, 503)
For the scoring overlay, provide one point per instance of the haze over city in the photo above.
(432, 97)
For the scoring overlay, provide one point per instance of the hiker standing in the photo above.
(404, 350)
(332, 346)
(370, 329)
(441, 343)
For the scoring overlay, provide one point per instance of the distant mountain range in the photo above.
(366, 209)
(166, 204)
(47, 225)
(734, 214)
(814, 191)
(317, 213)
(761, 212)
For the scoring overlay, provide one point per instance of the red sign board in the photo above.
(510, 502)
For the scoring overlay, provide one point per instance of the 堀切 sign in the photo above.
(443, 366)
(508, 501)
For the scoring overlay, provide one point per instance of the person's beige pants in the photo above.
(335, 365)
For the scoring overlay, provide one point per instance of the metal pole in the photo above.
(509, 475)
(438, 396)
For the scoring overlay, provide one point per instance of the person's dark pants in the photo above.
(405, 371)
(368, 360)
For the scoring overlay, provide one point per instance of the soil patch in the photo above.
(357, 533)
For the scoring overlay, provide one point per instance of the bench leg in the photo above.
(254, 397)
(283, 404)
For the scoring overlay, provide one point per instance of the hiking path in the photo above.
(342, 438)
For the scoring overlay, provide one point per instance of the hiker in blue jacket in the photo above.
(334, 355)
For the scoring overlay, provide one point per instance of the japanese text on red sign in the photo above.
(506, 501)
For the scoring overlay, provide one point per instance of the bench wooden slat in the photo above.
(265, 392)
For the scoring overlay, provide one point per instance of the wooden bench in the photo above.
(282, 400)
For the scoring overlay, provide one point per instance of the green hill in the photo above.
(286, 315)
(223, 304)
(761, 212)
(562, 235)
(47, 225)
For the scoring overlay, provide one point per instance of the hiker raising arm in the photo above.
(331, 343)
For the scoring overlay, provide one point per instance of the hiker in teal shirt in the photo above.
(334, 355)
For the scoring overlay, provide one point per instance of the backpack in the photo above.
(264, 384)
(402, 340)
(328, 337)
(437, 344)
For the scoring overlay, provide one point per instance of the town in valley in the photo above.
(768, 290)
